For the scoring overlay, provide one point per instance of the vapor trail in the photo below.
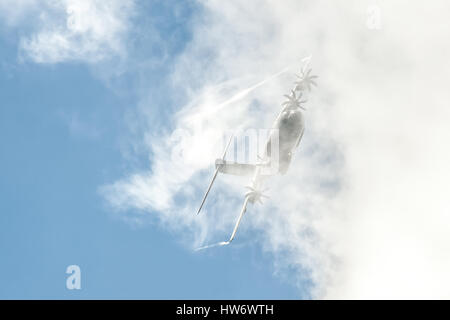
(244, 92)
(223, 243)
(241, 94)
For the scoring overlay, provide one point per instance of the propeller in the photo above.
(305, 81)
(256, 195)
(293, 101)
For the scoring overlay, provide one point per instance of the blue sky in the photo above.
(65, 133)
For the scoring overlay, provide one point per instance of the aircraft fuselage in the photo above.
(290, 125)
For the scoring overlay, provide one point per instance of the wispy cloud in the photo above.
(363, 211)
(71, 30)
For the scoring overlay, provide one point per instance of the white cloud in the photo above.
(363, 210)
(71, 30)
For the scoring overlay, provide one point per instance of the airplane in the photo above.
(289, 128)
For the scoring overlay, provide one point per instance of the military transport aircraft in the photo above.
(285, 136)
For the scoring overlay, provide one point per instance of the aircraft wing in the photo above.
(244, 208)
(214, 177)
(224, 243)
(207, 191)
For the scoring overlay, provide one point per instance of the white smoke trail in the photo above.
(219, 244)
(244, 92)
